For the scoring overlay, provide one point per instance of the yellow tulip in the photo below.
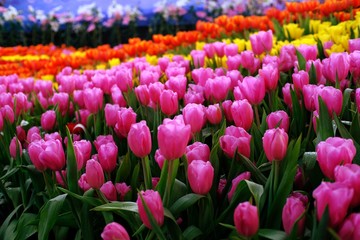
(114, 62)
(240, 43)
(199, 45)
(293, 31)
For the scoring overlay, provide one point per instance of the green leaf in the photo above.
(312, 74)
(118, 206)
(255, 172)
(324, 126)
(5, 225)
(272, 234)
(49, 214)
(298, 123)
(71, 165)
(125, 168)
(355, 128)
(27, 226)
(228, 226)
(256, 190)
(320, 48)
(184, 203)
(301, 61)
(346, 100)
(192, 232)
(320, 231)
(92, 201)
(279, 30)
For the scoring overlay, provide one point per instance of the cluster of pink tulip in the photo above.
(183, 102)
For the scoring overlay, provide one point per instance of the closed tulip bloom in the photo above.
(155, 90)
(235, 139)
(107, 155)
(154, 203)
(349, 229)
(197, 151)
(200, 176)
(169, 102)
(275, 143)
(226, 105)
(249, 61)
(163, 62)
(235, 182)
(318, 69)
(117, 96)
(233, 62)
(194, 94)
(350, 175)
(337, 65)
(83, 184)
(261, 42)
(15, 147)
(109, 191)
(122, 189)
(194, 115)
(309, 52)
(62, 100)
(253, 89)
(337, 197)
(53, 155)
(125, 118)
(198, 57)
(123, 79)
(177, 84)
(279, 118)
(246, 219)
(82, 151)
(8, 113)
(147, 77)
(332, 98)
(201, 75)
(270, 74)
(219, 48)
(173, 138)
(287, 57)
(300, 79)
(216, 89)
(111, 114)
(142, 94)
(242, 114)
(34, 150)
(33, 134)
(292, 211)
(354, 44)
(94, 174)
(310, 93)
(114, 231)
(103, 139)
(287, 95)
(355, 65)
(97, 97)
(231, 49)
(209, 50)
(48, 120)
(333, 152)
(53, 136)
(214, 114)
(139, 139)
(159, 159)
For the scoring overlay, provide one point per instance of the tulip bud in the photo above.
(125, 118)
(111, 114)
(214, 114)
(235, 182)
(253, 89)
(275, 143)
(169, 102)
(261, 42)
(197, 151)
(15, 147)
(114, 231)
(107, 155)
(194, 115)
(231, 49)
(83, 184)
(278, 119)
(246, 219)
(154, 203)
(350, 175)
(94, 174)
(48, 120)
(139, 139)
(122, 189)
(349, 229)
(177, 84)
(216, 89)
(292, 210)
(235, 139)
(242, 114)
(200, 175)
(109, 191)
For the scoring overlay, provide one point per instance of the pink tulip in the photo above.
(173, 71)
(253, 89)
(246, 219)
(1, 121)
(33, 134)
(147, 77)
(357, 99)
(103, 139)
(310, 93)
(337, 197)
(242, 114)
(350, 175)
(107, 155)
(194, 94)
(97, 96)
(274, 118)
(177, 84)
(349, 228)
(214, 114)
(15, 147)
(34, 150)
(226, 105)
(155, 90)
(198, 58)
(142, 94)
(45, 87)
(332, 98)
(200, 176)
(113, 231)
(122, 189)
(169, 102)
(201, 75)
(173, 138)
(233, 62)
(163, 62)
(318, 69)
(235, 182)
(154, 203)
(82, 151)
(53, 136)
(354, 44)
(139, 139)
(235, 76)
(275, 143)
(62, 100)
(355, 65)
(109, 191)
(249, 61)
(194, 115)
(235, 139)
(287, 95)
(333, 152)
(209, 50)
(22, 104)
(20, 132)
(159, 158)
(48, 120)
(197, 151)
(336, 67)
(125, 118)
(300, 79)
(60, 176)
(231, 49)
(117, 96)
(261, 42)
(124, 79)
(216, 89)
(309, 52)
(94, 174)
(270, 74)
(219, 48)
(83, 184)
(8, 114)
(111, 114)
(293, 209)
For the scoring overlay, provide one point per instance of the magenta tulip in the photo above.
(350, 175)
(242, 114)
(154, 203)
(142, 94)
(109, 191)
(261, 42)
(122, 189)
(107, 155)
(103, 139)
(357, 99)
(83, 184)
(271, 75)
(249, 61)
(147, 77)
(197, 151)
(169, 102)
(216, 89)
(236, 139)
(114, 231)
(309, 52)
(198, 58)
(139, 139)
(15, 147)
(177, 84)
(253, 89)
(278, 119)
(293, 209)
(235, 182)
(82, 151)
(246, 219)
(111, 114)
(214, 114)
(97, 97)
(125, 118)
(231, 49)
(275, 143)
(287, 57)
(194, 115)
(233, 62)
(337, 197)
(300, 79)
(336, 67)
(219, 48)
(333, 152)
(48, 120)
(349, 229)
(200, 176)
(201, 75)
(124, 79)
(94, 174)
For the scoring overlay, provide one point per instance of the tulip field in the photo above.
(247, 127)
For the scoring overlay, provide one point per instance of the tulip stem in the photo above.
(172, 170)
(146, 172)
(257, 115)
(276, 165)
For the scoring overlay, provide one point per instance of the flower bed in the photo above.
(254, 137)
